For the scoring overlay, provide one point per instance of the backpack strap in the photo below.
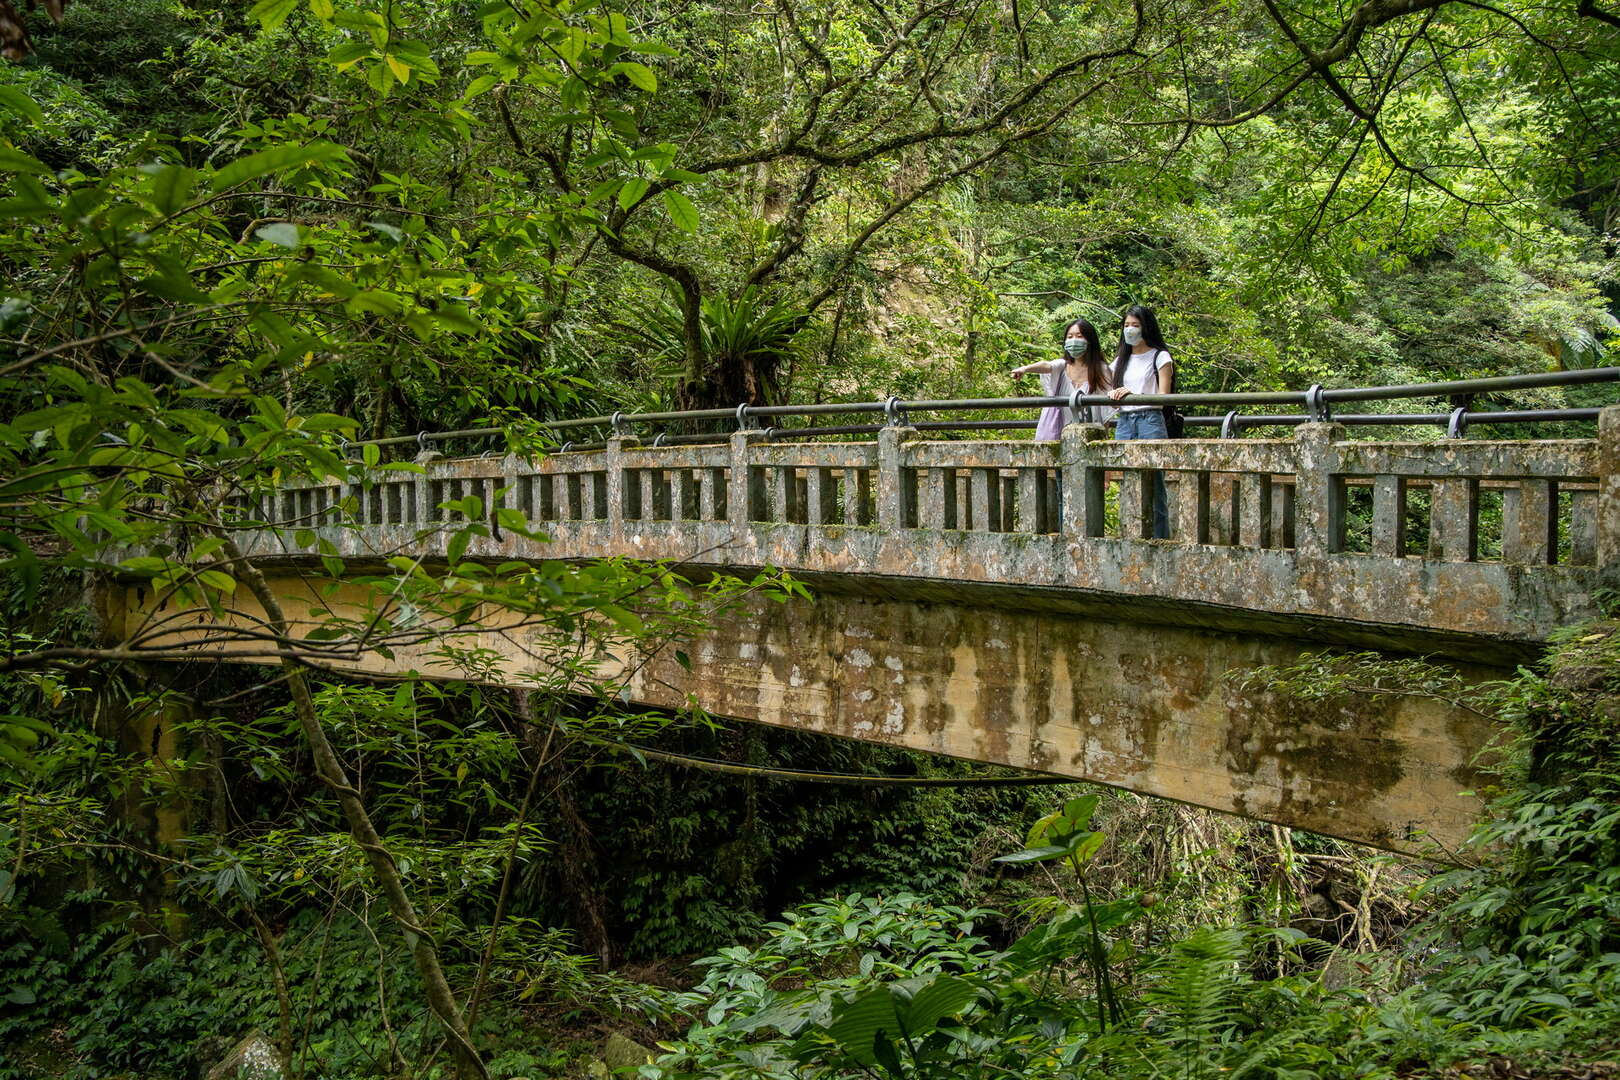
(1155, 363)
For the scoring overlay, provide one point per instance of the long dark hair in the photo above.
(1150, 336)
(1096, 372)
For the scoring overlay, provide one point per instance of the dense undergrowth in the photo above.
(1096, 958)
(1518, 962)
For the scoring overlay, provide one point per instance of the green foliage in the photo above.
(705, 857)
(1521, 962)
(161, 1007)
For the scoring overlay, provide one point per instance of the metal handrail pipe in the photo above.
(830, 408)
(990, 404)
(1531, 416)
(1505, 417)
(834, 429)
(431, 436)
(1475, 386)
(692, 414)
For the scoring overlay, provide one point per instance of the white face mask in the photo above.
(1133, 336)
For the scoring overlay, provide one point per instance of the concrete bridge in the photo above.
(1002, 601)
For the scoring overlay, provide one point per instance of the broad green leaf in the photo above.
(218, 580)
(1077, 812)
(681, 210)
(627, 619)
(457, 546)
(633, 189)
(457, 319)
(322, 9)
(478, 86)
(272, 13)
(1084, 848)
(172, 186)
(640, 75)
(29, 199)
(1035, 854)
(857, 1025)
(274, 160)
(282, 233)
(14, 160)
(350, 53)
(20, 103)
(945, 996)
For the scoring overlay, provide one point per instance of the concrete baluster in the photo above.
(1190, 509)
(648, 506)
(712, 497)
(1530, 523)
(779, 483)
(896, 499)
(1080, 487)
(421, 496)
(741, 496)
(858, 497)
(613, 458)
(1583, 527)
(1030, 512)
(1454, 519)
(984, 494)
(1135, 504)
(1608, 495)
(685, 504)
(821, 496)
(1254, 511)
(1318, 506)
(931, 497)
(1389, 517)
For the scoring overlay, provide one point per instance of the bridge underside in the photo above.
(1144, 707)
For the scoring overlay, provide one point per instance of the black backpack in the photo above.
(1175, 425)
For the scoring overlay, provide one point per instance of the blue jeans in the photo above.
(1148, 424)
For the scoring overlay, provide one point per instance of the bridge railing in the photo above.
(1317, 402)
(1518, 503)
(1505, 538)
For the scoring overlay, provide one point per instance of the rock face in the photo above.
(621, 1052)
(254, 1058)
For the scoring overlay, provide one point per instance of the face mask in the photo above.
(1074, 348)
(1133, 336)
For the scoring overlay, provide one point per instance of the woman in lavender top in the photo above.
(1081, 365)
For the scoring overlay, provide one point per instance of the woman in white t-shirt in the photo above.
(1081, 365)
(1143, 366)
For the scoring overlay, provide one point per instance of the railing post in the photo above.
(1608, 495)
(1318, 501)
(738, 502)
(892, 496)
(422, 505)
(1081, 491)
(613, 460)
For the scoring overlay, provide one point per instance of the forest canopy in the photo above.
(242, 241)
(458, 210)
